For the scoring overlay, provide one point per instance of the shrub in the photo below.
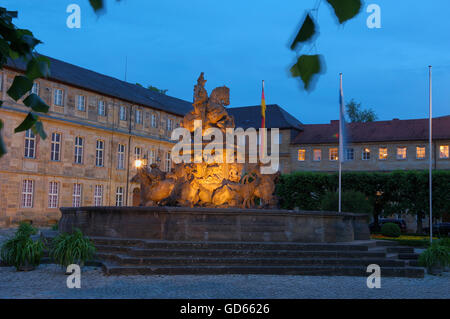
(391, 192)
(25, 229)
(352, 202)
(435, 255)
(445, 242)
(72, 248)
(390, 230)
(21, 251)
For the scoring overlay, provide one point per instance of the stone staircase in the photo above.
(146, 257)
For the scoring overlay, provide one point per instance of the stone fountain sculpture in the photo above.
(207, 184)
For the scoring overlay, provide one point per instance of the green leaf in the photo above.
(4, 48)
(2, 143)
(345, 9)
(305, 68)
(97, 5)
(306, 31)
(36, 103)
(38, 67)
(27, 123)
(13, 54)
(38, 128)
(20, 86)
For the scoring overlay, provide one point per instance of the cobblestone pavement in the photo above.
(49, 281)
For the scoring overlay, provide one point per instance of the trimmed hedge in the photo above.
(390, 192)
(390, 230)
(352, 202)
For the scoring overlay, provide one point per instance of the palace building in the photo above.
(97, 126)
(374, 146)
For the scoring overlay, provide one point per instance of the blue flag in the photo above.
(342, 124)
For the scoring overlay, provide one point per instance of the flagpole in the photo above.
(341, 152)
(431, 154)
(263, 124)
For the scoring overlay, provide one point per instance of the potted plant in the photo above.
(435, 258)
(22, 251)
(75, 248)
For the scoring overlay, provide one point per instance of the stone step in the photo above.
(384, 243)
(157, 252)
(414, 263)
(228, 245)
(315, 270)
(124, 260)
(408, 256)
(406, 250)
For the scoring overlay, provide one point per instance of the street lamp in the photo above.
(138, 163)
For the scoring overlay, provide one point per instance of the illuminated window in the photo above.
(76, 196)
(317, 155)
(365, 154)
(333, 154)
(401, 153)
(382, 153)
(53, 195)
(443, 151)
(301, 154)
(420, 152)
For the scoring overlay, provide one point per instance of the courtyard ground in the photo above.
(49, 281)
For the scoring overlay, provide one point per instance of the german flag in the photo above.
(263, 108)
(263, 118)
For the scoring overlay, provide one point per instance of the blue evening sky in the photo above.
(239, 43)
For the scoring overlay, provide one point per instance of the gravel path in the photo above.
(49, 281)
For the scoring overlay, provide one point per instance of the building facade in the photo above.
(376, 146)
(98, 126)
(94, 135)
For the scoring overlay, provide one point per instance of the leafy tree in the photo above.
(18, 43)
(153, 88)
(308, 66)
(404, 192)
(356, 114)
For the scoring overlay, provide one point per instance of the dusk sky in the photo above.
(239, 43)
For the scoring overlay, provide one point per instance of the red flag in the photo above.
(263, 118)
